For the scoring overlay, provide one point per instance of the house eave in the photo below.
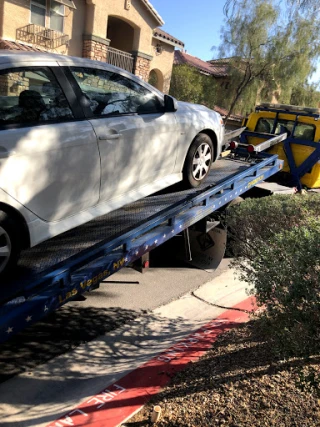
(153, 12)
(163, 40)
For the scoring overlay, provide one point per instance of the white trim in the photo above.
(68, 3)
(153, 12)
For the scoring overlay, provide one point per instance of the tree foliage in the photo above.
(306, 95)
(291, 5)
(189, 85)
(277, 249)
(271, 52)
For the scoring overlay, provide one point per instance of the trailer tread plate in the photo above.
(49, 254)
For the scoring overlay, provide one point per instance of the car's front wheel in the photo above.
(198, 161)
(10, 247)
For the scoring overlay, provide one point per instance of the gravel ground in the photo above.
(238, 383)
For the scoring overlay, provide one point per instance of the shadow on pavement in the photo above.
(58, 333)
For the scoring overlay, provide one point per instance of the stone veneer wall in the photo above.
(95, 48)
(142, 67)
(12, 84)
(103, 83)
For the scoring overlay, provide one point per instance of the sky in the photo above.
(196, 23)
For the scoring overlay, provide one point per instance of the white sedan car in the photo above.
(80, 138)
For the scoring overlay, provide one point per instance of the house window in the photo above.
(56, 16)
(38, 12)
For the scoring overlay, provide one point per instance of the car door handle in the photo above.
(109, 137)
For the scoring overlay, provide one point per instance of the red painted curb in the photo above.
(115, 404)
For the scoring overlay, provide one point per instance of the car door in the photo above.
(137, 140)
(49, 158)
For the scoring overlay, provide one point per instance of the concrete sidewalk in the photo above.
(40, 397)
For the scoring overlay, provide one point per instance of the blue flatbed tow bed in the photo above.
(59, 270)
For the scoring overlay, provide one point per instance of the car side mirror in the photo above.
(170, 104)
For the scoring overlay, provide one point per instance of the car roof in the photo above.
(15, 57)
(22, 56)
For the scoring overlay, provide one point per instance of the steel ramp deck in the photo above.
(49, 254)
(56, 271)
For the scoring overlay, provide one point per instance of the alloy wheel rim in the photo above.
(5, 248)
(201, 161)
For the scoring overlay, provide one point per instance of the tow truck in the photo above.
(298, 143)
(78, 261)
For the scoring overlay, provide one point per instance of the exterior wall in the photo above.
(137, 16)
(87, 30)
(16, 14)
(163, 62)
(1, 18)
(74, 27)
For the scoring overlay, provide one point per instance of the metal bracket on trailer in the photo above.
(297, 172)
(259, 148)
(84, 272)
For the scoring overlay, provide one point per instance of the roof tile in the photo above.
(11, 45)
(206, 67)
(158, 32)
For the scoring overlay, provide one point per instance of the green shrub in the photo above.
(276, 242)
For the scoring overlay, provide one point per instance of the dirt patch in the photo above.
(240, 382)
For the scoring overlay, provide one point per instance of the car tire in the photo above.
(198, 162)
(10, 246)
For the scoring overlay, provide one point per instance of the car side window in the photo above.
(31, 95)
(111, 93)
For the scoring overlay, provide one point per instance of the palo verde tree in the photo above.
(306, 95)
(292, 6)
(269, 51)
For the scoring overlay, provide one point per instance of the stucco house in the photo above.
(124, 33)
